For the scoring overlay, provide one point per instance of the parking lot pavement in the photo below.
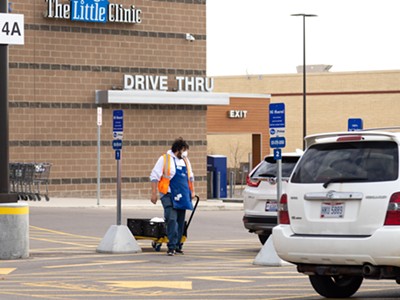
(209, 204)
(217, 264)
(64, 264)
(69, 268)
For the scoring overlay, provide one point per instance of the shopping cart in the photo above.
(41, 177)
(148, 229)
(26, 179)
(21, 180)
(15, 172)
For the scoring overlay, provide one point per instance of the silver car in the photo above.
(260, 196)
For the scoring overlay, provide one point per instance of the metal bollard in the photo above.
(14, 233)
(211, 185)
(231, 181)
(218, 185)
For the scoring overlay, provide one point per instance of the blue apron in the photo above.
(180, 192)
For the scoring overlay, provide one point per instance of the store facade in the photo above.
(147, 58)
(239, 131)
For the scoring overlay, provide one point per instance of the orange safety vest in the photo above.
(163, 184)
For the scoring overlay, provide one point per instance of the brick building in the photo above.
(75, 48)
(332, 98)
(148, 58)
(239, 131)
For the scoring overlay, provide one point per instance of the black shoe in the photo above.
(171, 252)
(179, 251)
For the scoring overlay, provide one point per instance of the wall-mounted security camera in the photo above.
(190, 37)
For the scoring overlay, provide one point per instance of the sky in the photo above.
(253, 37)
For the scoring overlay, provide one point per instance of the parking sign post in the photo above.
(118, 129)
(99, 123)
(277, 139)
(118, 238)
(11, 32)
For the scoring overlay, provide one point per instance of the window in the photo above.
(366, 161)
(268, 168)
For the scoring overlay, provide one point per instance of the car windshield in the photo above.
(268, 168)
(361, 161)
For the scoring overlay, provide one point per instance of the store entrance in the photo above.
(256, 150)
(242, 152)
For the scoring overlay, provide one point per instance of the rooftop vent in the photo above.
(314, 68)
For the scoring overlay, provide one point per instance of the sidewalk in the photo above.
(210, 204)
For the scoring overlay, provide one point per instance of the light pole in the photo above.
(304, 74)
(5, 195)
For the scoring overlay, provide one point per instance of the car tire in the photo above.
(263, 238)
(336, 286)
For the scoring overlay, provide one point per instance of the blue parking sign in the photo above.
(277, 154)
(277, 115)
(117, 144)
(354, 124)
(277, 142)
(118, 120)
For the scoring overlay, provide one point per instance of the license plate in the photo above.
(332, 210)
(271, 206)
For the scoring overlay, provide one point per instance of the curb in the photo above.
(211, 204)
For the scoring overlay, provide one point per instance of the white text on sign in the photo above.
(237, 114)
(277, 142)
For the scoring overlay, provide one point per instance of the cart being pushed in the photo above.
(155, 229)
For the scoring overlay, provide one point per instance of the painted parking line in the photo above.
(96, 263)
(98, 276)
(6, 271)
(80, 244)
(222, 278)
(39, 230)
(183, 285)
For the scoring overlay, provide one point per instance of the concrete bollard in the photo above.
(14, 230)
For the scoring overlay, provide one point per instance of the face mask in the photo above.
(185, 153)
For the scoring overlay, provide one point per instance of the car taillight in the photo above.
(252, 183)
(283, 213)
(349, 138)
(393, 210)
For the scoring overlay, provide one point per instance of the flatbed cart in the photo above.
(146, 229)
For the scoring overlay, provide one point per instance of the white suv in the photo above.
(339, 219)
(260, 198)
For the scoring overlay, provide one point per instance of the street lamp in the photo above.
(304, 73)
(5, 196)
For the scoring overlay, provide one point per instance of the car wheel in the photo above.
(335, 286)
(263, 238)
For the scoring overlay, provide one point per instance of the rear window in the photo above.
(367, 161)
(268, 167)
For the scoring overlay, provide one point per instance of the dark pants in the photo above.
(175, 221)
